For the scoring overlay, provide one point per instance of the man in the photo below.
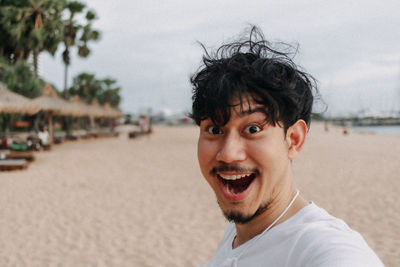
(253, 106)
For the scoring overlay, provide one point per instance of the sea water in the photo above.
(382, 130)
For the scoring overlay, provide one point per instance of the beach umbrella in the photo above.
(112, 112)
(96, 110)
(81, 108)
(50, 103)
(11, 102)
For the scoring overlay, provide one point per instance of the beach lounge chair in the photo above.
(8, 154)
(71, 137)
(13, 164)
(15, 143)
(33, 142)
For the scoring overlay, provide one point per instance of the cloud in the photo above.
(149, 46)
(376, 68)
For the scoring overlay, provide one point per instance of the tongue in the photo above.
(239, 185)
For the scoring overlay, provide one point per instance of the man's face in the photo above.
(245, 161)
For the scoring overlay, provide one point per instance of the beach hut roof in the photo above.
(49, 91)
(11, 102)
(96, 110)
(112, 112)
(50, 101)
(82, 108)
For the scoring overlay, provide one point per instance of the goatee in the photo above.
(240, 218)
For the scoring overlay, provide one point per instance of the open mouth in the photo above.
(236, 184)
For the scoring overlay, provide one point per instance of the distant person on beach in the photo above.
(43, 136)
(253, 106)
(345, 131)
(144, 124)
(326, 126)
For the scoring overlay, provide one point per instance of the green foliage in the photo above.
(76, 34)
(30, 27)
(110, 93)
(20, 79)
(75, 7)
(128, 118)
(88, 88)
(3, 67)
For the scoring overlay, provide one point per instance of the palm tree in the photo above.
(71, 32)
(31, 27)
(89, 88)
(12, 31)
(110, 93)
(86, 86)
(44, 21)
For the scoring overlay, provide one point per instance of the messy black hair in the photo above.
(252, 70)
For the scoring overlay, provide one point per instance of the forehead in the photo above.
(238, 108)
(241, 107)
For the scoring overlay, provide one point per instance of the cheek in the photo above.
(268, 153)
(205, 154)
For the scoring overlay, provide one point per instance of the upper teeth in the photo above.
(233, 177)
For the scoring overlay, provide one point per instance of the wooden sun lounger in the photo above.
(109, 134)
(13, 164)
(10, 154)
(20, 155)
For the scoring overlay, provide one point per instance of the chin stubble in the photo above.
(240, 218)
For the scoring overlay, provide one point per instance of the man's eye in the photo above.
(252, 129)
(214, 130)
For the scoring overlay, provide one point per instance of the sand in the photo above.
(143, 202)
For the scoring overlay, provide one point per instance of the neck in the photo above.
(247, 231)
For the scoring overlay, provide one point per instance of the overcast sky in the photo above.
(352, 47)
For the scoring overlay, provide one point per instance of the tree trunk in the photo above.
(36, 122)
(50, 122)
(35, 62)
(66, 125)
(65, 81)
(5, 127)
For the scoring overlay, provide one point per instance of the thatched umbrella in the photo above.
(49, 101)
(11, 102)
(81, 108)
(52, 104)
(112, 112)
(96, 110)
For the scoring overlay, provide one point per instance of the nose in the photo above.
(231, 150)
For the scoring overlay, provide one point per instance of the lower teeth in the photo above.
(228, 188)
(237, 186)
(233, 190)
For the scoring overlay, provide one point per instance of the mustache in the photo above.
(233, 168)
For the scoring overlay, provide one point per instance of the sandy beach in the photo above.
(143, 202)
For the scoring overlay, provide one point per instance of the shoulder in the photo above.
(225, 246)
(229, 234)
(323, 240)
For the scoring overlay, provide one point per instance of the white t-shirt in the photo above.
(44, 137)
(310, 238)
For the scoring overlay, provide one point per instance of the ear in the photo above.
(295, 137)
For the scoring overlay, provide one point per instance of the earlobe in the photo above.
(296, 136)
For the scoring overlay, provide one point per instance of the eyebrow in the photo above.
(243, 113)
